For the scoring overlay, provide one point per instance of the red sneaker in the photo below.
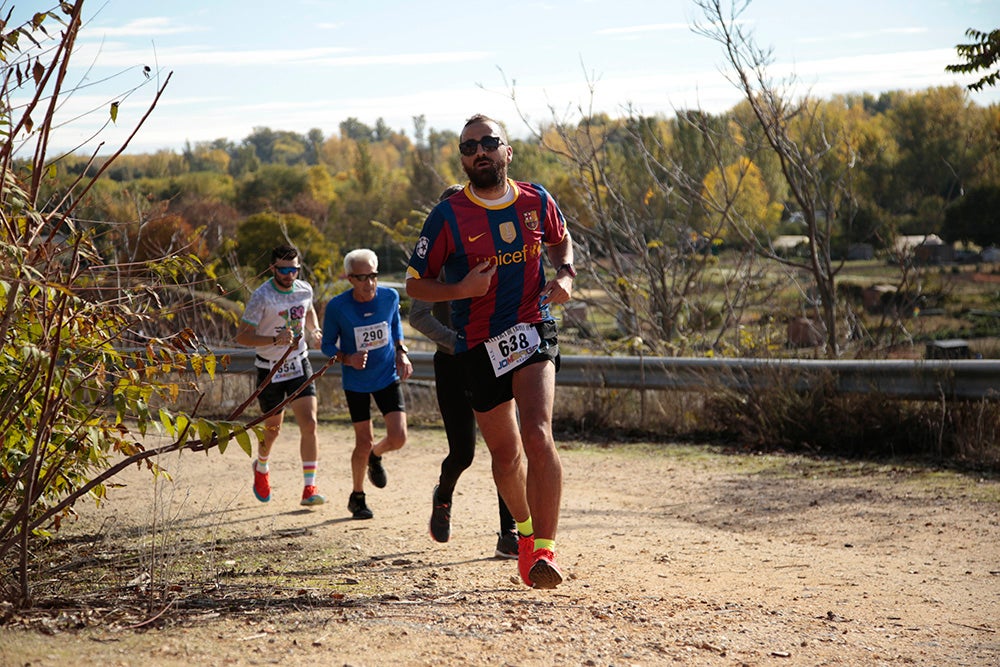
(311, 497)
(525, 550)
(544, 573)
(261, 484)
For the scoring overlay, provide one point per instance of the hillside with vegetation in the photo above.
(677, 220)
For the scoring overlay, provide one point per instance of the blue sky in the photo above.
(302, 64)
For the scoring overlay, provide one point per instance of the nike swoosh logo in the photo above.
(473, 239)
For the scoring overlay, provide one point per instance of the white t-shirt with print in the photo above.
(271, 310)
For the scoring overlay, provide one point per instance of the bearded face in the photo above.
(486, 172)
(486, 167)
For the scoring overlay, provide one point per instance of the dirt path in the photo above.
(673, 556)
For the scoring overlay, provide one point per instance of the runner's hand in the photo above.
(284, 337)
(557, 290)
(403, 365)
(478, 280)
(316, 338)
(357, 360)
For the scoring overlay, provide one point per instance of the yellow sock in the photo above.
(525, 528)
(545, 544)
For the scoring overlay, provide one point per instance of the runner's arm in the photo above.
(314, 334)
(475, 283)
(560, 288)
(247, 335)
(422, 319)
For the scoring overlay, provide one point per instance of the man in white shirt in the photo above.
(280, 314)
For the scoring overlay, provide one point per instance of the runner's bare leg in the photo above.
(534, 393)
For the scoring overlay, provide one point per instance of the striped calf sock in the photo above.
(309, 473)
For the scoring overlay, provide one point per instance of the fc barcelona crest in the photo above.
(507, 232)
(531, 220)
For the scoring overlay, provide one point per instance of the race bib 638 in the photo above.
(512, 348)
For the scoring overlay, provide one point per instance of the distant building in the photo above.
(803, 332)
(876, 297)
(788, 244)
(924, 248)
(857, 251)
(990, 254)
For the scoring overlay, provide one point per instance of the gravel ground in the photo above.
(672, 555)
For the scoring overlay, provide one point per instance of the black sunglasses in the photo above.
(286, 270)
(469, 146)
(363, 276)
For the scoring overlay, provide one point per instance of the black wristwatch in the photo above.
(569, 269)
(402, 348)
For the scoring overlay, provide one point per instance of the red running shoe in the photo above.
(311, 497)
(261, 484)
(525, 550)
(544, 573)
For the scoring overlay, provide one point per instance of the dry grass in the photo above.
(785, 414)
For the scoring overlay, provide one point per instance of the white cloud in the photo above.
(144, 27)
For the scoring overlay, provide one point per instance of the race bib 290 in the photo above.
(371, 336)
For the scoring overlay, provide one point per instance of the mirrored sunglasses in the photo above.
(286, 270)
(469, 146)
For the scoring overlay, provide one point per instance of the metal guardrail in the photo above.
(929, 379)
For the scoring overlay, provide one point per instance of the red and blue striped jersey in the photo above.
(463, 231)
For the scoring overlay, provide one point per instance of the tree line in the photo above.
(920, 162)
(646, 191)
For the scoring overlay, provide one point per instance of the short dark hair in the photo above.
(450, 190)
(483, 118)
(284, 252)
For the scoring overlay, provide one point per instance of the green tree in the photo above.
(981, 54)
(260, 233)
(218, 186)
(272, 187)
(288, 148)
(209, 156)
(314, 139)
(243, 160)
(975, 217)
(382, 130)
(936, 157)
(280, 146)
(354, 129)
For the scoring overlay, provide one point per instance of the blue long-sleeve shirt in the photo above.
(350, 326)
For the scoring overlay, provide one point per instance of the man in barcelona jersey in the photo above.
(489, 240)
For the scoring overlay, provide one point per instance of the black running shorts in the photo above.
(486, 389)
